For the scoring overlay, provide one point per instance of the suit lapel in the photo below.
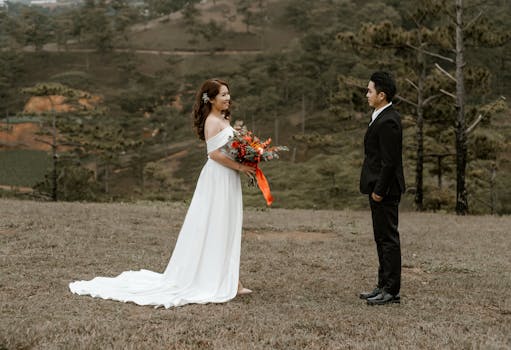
(381, 115)
(378, 118)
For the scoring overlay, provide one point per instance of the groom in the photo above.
(383, 180)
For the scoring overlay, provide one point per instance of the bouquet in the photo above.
(249, 149)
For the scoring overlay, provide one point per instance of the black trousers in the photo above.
(386, 235)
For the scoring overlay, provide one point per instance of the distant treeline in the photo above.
(305, 89)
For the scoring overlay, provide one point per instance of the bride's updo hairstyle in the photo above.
(202, 107)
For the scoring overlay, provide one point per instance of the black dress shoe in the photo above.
(367, 295)
(384, 298)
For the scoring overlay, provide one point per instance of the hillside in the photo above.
(283, 71)
(171, 33)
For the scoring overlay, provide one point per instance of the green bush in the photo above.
(74, 183)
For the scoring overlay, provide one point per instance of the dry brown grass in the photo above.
(306, 268)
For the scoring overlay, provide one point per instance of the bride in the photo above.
(204, 267)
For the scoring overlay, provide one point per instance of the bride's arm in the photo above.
(212, 127)
(223, 159)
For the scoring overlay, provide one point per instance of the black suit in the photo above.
(382, 173)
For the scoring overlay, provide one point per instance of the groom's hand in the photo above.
(376, 198)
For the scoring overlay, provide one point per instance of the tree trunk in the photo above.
(493, 193)
(461, 137)
(252, 121)
(439, 172)
(142, 175)
(419, 168)
(247, 21)
(303, 114)
(276, 131)
(54, 176)
(106, 178)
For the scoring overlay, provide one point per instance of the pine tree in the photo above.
(50, 124)
(431, 38)
(400, 48)
(465, 30)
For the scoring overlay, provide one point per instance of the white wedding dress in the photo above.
(204, 267)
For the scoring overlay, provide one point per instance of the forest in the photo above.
(96, 97)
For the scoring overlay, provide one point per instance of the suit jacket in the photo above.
(382, 171)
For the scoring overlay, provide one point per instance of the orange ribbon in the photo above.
(264, 186)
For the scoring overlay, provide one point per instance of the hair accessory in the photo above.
(205, 97)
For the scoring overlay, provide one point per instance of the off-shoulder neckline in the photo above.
(220, 132)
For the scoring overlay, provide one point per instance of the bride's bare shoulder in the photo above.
(213, 126)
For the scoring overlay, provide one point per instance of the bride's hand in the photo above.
(247, 170)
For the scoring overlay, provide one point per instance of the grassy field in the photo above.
(23, 167)
(305, 267)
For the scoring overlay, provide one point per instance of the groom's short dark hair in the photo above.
(384, 82)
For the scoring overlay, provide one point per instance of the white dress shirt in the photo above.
(377, 112)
